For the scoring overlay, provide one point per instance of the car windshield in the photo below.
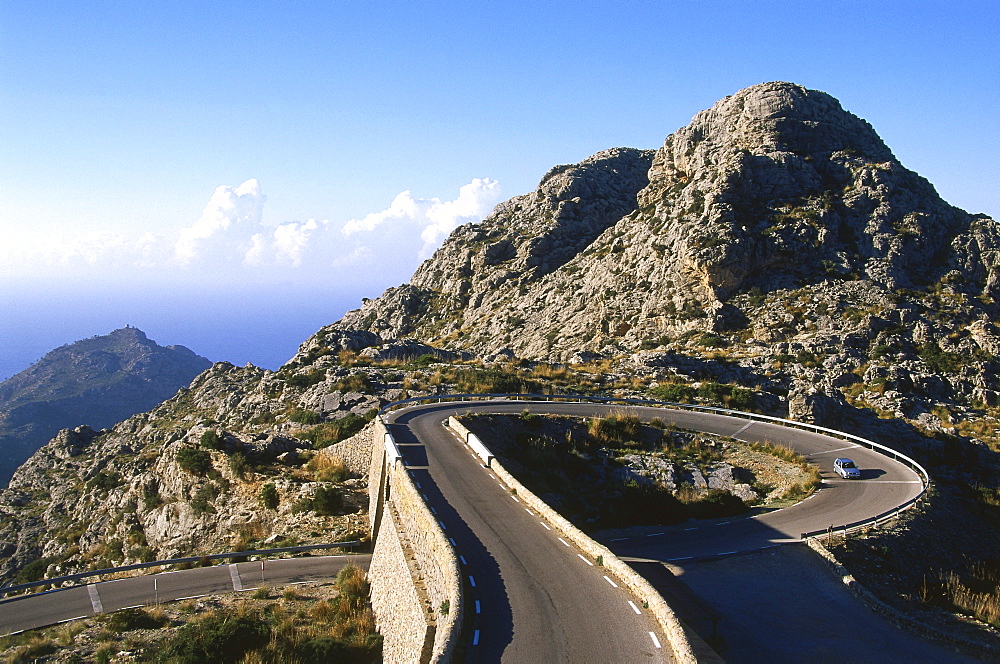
(849, 464)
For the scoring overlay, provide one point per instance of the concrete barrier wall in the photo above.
(635, 582)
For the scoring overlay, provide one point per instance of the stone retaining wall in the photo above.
(407, 632)
(355, 452)
(635, 582)
(901, 620)
(428, 566)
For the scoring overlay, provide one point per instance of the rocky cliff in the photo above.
(772, 190)
(96, 381)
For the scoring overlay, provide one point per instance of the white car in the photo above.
(846, 469)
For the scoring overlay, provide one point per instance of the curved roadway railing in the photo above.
(582, 398)
(172, 561)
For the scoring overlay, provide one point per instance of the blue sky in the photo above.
(121, 121)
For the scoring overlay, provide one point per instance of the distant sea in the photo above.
(238, 324)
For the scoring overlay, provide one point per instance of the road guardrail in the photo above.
(583, 398)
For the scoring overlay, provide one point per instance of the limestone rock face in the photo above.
(483, 268)
(773, 189)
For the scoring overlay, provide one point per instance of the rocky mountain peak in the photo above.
(96, 381)
(773, 189)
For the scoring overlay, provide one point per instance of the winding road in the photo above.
(530, 595)
(535, 598)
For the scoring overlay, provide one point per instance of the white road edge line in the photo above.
(656, 641)
(563, 541)
(58, 623)
(610, 581)
(544, 525)
(181, 599)
(95, 599)
(634, 607)
(839, 449)
(516, 498)
(580, 555)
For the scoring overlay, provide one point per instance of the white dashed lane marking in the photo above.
(634, 607)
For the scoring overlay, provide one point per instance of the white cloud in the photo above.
(231, 240)
(434, 218)
(231, 212)
(475, 200)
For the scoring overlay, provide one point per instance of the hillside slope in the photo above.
(96, 381)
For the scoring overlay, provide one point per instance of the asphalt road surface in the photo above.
(530, 595)
(536, 603)
(20, 613)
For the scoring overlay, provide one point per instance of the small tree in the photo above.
(269, 496)
(212, 440)
(195, 461)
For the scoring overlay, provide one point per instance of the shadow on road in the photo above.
(495, 627)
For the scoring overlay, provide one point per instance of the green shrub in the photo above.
(674, 392)
(616, 428)
(135, 618)
(238, 465)
(940, 361)
(194, 460)
(328, 433)
(201, 503)
(104, 481)
(219, 637)
(212, 440)
(35, 570)
(496, 380)
(730, 396)
(325, 501)
(269, 496)
(423, 361)
(304, 416)
(151, 496)
(307, 380)
(356, 382)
